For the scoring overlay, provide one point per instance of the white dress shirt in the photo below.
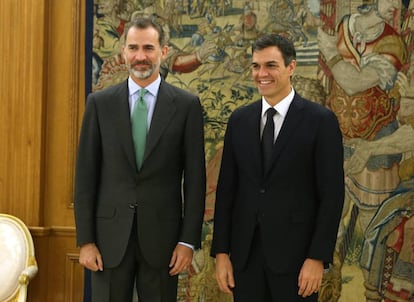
(281, 110)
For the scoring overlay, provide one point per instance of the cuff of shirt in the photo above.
(187, 245)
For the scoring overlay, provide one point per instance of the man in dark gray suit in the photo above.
(280, 190)
(139, 195)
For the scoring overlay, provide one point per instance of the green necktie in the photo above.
(139, 127)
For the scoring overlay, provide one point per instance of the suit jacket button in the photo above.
(132, 206)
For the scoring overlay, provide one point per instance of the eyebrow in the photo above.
(143, 46)
(265, 63)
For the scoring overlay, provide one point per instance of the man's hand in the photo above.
(310, 277)
(224, 273)
(90, 257)
(181, 259)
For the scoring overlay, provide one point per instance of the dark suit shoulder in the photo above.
(311, 107)
(115, 90)
(246, 111)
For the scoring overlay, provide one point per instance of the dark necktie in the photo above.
(268, 138)
(139, 127)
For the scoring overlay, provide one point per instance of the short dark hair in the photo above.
(146, 22)
(285, 46)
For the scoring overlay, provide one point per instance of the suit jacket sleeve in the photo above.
(194, 183)
(329, 180)
(87, 174)
(226, 187)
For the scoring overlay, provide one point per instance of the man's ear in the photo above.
(165, 49)
(292, 67)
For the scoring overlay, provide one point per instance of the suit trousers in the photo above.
(117, 284)
(256, 282)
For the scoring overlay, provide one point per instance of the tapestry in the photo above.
(353, 56)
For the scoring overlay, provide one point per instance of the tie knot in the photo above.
(142, 92)
(270, 112)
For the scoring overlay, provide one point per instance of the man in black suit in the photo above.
(280, 190)
(139, 206)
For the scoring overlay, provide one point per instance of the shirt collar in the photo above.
(151, 88)
(282, 107)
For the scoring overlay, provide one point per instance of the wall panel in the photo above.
(65, 96)
(22, 94)
(42, 100)
(60, 276)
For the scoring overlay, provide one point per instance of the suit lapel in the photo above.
(163, 113)
(253, 136)
(123, 122)
(293, 118)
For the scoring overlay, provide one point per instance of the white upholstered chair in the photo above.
(17, 259)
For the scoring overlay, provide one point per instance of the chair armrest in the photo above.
(27, 274)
